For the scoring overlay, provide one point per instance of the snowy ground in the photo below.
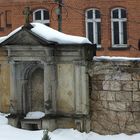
(8, 132)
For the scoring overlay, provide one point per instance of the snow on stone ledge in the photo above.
(3, 119)
(114, 58)
(34, 115)
(51, 35)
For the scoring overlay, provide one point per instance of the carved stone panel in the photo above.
(65, 90)
(37, 90)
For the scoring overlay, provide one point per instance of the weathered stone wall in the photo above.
(115, 96)
(4, 82)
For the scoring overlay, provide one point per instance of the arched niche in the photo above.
(33, 88)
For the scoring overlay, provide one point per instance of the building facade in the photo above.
(112, 25)
(38, 74)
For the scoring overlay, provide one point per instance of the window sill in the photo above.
(100, 49)
(119, 47)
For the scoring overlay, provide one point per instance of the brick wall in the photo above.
(74, 21)
(115, 97)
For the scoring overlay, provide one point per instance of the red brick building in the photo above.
(114, 25)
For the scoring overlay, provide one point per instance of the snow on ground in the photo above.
(51, 35)
(8, 132)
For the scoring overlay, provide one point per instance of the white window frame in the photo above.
(94, 20)
(42, 17)
(121, 34)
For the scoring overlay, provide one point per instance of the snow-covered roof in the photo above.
(50, 34)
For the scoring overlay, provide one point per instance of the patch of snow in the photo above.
(9, 35)
(8, 132)
(116, 58)
(68, 134)
(3, 119)
(51, 35)
(35, 115)
(3, 38)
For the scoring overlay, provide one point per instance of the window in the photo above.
(119, 27)
(8, 15)
(93, 26)
(42, 16)
(2, 23)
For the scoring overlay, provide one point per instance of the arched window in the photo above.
(41, 16)
(93, 26)
(119, 27)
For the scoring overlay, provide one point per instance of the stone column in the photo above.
(49, 88)
(81, 88)
(13, 100)
(85, 89)
(24, 106)
(78, 89)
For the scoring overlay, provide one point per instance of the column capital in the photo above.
(11, 61)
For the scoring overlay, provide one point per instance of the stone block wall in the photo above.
(115, 97)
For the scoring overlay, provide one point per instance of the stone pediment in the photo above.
(26, 37)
